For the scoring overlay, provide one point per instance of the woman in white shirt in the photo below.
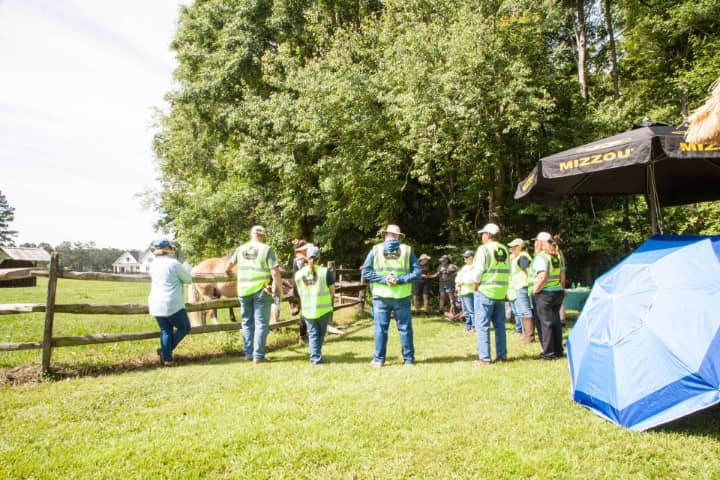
(166, 301)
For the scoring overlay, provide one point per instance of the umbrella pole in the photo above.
(653, 200)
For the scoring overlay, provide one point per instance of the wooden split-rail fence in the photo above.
(347, 294)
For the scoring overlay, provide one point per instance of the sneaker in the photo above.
(167, 364)
(483, 362)
(261, 360)
(322, 361)
(410, 364)
(377, 363)
(501, 359)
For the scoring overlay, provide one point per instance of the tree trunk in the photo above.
(581, 38)
(607, 12)
(497, 193)
(452, 216)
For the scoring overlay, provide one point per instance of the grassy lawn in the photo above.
(216, 416)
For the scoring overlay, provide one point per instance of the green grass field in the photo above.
(217, 416)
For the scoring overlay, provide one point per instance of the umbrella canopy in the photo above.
(654, 160)
(646, 347)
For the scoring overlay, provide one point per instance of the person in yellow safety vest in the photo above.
(520, 261)
(465, 285)
(391, 267)
(546, 281)
(491, 267)
(315, 286)
(258, 284)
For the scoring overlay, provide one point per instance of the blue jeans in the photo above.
(488, 310)
(382, 308)
(255, 313)
(316, 329)
(469, 310)
(169, 339)
(521, 308)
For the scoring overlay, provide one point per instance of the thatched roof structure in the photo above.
(704, 123)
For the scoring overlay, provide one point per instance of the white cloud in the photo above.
(79, 83)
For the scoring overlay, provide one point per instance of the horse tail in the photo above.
(194, 296)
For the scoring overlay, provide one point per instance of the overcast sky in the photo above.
(79, 83)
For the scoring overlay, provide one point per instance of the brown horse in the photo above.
(209, 291)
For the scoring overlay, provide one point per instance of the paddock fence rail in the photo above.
(348, 293)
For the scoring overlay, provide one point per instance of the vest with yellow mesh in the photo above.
(518, 277)
(400, 266)
(253, 272)
(314, 292)
(554, 263)
(496, 273)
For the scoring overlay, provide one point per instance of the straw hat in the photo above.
(705, 121)
(394, 229)
(257, 230)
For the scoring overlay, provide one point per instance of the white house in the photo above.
(126, 263)
(145, 261)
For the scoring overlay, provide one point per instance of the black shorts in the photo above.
(421, 287)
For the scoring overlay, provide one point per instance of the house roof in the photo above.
(24, 253)
(146, 255)
(125, 259)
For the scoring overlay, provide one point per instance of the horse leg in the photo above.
(194, 296)
(232, 315)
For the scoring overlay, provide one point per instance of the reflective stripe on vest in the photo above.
(385, 266)
(554, 267)
(495, 277)
(252, 268)
(467, 285)
(314, 292)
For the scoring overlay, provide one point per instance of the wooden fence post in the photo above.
(362, 293)
(49, 314)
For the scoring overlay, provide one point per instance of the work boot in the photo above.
(528, 328)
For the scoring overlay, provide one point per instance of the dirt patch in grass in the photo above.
(32, 373)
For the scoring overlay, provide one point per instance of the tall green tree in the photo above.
(7, 215)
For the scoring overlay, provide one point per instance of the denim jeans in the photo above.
(316, 329)
(521, 308)
(169, 339)
(381, 310)
(468, 305)
(255, 312)
(486, 311)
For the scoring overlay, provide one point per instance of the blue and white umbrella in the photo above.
(646, 347)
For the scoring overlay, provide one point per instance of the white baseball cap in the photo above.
(490, 228)
(544, 237)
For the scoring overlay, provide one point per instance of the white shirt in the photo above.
(478, 265)
(167, 295)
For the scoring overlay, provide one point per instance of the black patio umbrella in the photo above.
(654, 160)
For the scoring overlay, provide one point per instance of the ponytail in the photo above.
(311, 265)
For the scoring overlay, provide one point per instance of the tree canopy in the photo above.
(328, 120)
